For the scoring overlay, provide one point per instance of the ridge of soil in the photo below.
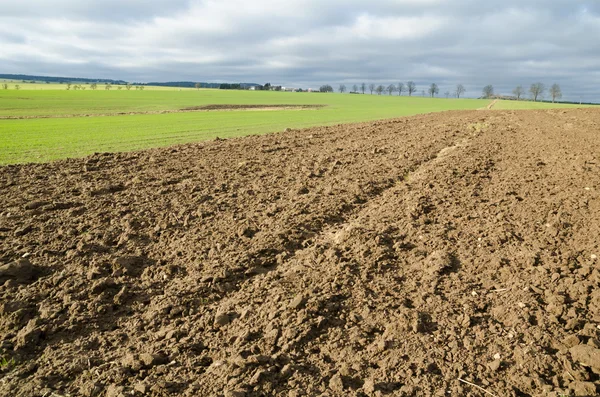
(204, 108)
(401, 257)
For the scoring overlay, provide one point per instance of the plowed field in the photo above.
(450, 254)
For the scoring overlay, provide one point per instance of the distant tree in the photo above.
(555, 92)
(460, 89)
(433, 89)
(68, 86)
(379, 89)
(93, 86)
(197, 85)
(119, 87)
(363, 87)
(354, 88)
(128, 86)
(326, 88)
(371, 88)
(537, 90)
(342, 88)
(141, 87)
(108, 86)
(391, 88)
(518, 92)
(5, 86)
(447, 94)
(488, 91)
(400, 88)
(423, 93)
(17, 87)
(411, 88)
(267, 87)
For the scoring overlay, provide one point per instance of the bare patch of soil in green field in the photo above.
(204, 108)
(410, 257)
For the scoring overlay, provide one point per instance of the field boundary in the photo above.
(204, 108)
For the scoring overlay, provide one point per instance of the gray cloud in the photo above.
(309, 42)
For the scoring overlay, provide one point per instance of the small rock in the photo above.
(586, 355)
(235, 393)
(495, 365)
(594, 257)
(298, 302)
(583, 388)
(369, 386)
(336, 383)
(221, 320)
(21, 270)
(114, 391)
(286, 370)
(570, 341)
(149, 360)
(132, 362)
(29, 335)
(141, 388)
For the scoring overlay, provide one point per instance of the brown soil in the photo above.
(402, 257)
(205, 108)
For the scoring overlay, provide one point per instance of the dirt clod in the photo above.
(586, 355)
(20, 270)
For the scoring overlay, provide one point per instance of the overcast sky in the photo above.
(305, 43)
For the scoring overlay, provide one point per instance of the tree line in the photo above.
(409, 88)
(536, 90)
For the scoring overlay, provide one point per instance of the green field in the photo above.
(83, 122)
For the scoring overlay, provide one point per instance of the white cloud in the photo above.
(308, 41)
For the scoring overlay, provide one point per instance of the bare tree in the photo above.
(371, 88)
(379, 89)
(197, 85)
(128, 86)
(93, 86)
(411, 88)
(423, 93)
(5, 86)
(342, 88)
(400, 88)
(518, 92)
(391, 88)
(68, 86)
(555, 92)
(363, 87)
(488, 91)
(537, 90)
(108, 86)
(433, 89)
(460, 89)
(447, 94)
(354, 88)
(17, 87)
(119, 87)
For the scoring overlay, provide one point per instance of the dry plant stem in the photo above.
(478, 387)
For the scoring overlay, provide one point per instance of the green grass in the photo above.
(45, 139)
(517, 105)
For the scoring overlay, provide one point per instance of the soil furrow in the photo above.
(385, 258)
